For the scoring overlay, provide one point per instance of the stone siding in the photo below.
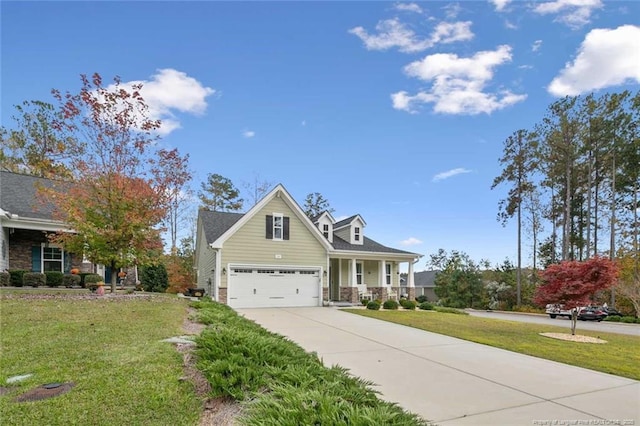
(349, 294)
(222, 295)
(379, 293)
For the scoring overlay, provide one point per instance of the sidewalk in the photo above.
(454, 382)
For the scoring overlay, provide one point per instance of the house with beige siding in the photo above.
(275, 256)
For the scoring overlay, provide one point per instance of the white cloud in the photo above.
(607, 57)
(411, 241)
(450, 173)
(458, 84)
(510, 26)
(536, 45)
(573, 13)
(393, 33)
(171, 90)
(500, 4)
(408, 7)
(248, 134)
(452, 10)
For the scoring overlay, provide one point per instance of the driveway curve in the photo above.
(454, 382)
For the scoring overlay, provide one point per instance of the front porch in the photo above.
(352, 279)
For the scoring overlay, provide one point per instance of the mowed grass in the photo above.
(618, 356)
(110, 348)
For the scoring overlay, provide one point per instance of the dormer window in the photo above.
(325, 231)
(356, 233)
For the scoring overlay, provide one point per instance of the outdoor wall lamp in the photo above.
(224, 271)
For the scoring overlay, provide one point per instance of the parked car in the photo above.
(612, 312)
(592, 313)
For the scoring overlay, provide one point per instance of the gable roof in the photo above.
(216, 223)
(278, 191)
(425, 278)
(368, 245)
(347, 221)
(316, 218)
(18, 195)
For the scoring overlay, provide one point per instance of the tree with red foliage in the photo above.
(573, 283)
(122, 180)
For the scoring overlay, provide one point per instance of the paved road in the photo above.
(608, 327)
(452, 381)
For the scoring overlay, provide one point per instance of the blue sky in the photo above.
(396, 111)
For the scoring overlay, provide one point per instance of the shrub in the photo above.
(91, 279)
(630, 320)
(34, 279)
(421, 299)
(70, 280)
(364, 302)
(154, 278)
(5, 279)
(390, 304)
(613, 318)
(446, 310)
(54, 278)
(408, 304)
(16, 277)
(426, 306)
(373, 305)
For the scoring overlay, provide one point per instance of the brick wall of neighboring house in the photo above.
(20, 243)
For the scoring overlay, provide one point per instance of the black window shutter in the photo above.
(285, 228)
(269, 227)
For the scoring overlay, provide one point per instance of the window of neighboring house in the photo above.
(388, 273)
(358, 273)
(356, 233)
(277, 227)
(325, 231)
(52, 259)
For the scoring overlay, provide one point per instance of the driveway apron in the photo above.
(454, 382)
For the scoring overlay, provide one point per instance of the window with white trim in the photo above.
(52, 259)
(388, 273)
(277, 226)
(358, 273)
(356, 233)
(325, 231)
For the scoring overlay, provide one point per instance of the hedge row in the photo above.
(20, 278)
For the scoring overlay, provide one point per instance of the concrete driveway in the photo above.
(454, 382)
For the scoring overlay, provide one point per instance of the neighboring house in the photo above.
(25, 222)
(425, 284)
(274, 255)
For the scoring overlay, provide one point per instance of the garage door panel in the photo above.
(273, 287)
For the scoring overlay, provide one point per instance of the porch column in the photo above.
(381, 273)
(411, 286)
(339, 273)
(354, 275)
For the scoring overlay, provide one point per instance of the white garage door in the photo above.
(271, 287)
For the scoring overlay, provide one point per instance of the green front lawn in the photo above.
(619, 356)
(110, 349)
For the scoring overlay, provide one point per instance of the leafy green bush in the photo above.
(5, 279)
(284, 384)
(408, 304)
(630, 320)
(92, 279)
(34, 279)
(421, 299)
(390, 304)
(446, 310)
(154, 278)
(364, 302)
(17, 277)
(374, 305)
(70, 280)
(613, 318)
(426, 306)
(54, 278)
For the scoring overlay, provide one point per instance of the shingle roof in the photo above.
(18, 195)
(217, 223)
(425, 278)
(367, 245)
(344, 222)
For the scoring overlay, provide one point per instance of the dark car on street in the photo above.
(612, 312)
(592, 313)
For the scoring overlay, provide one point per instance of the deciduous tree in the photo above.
(574, 283)
(120, 189)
